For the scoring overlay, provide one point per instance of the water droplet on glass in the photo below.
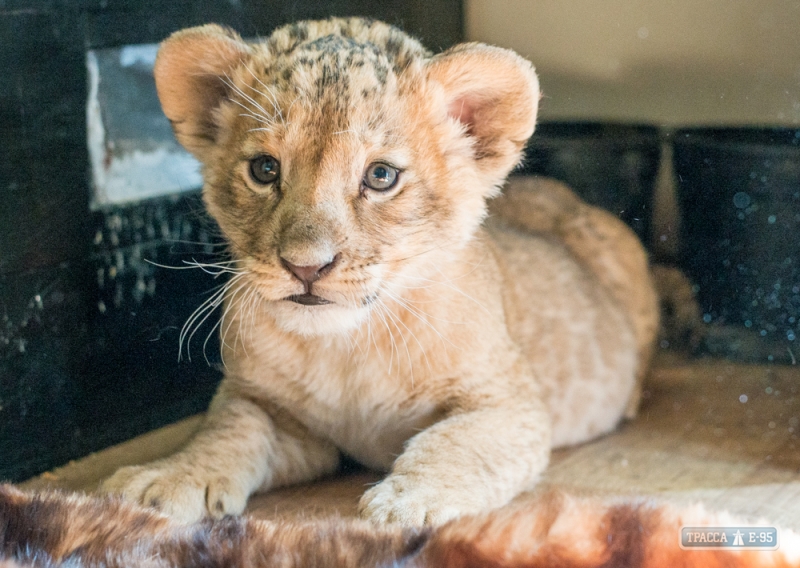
(741, 200)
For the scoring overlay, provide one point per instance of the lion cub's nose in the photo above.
(310, 274)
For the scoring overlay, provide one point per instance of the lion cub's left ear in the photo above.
(494, 93)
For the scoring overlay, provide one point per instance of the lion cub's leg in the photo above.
(599, 241)
(239, 449)
(471, 461)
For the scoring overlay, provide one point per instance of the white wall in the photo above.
(671, 62)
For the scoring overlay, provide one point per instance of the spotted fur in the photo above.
(71, 531)
(451, 352)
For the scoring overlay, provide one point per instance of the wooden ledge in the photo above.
(711, 431)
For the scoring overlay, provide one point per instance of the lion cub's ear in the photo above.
(190, 73)
(494, 93)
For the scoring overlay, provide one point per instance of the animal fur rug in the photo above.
(49, 529)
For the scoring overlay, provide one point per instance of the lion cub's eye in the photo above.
(380, 176)
(264, 169)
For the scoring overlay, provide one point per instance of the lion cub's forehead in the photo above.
(338, 60)
(352, 38)
(330, 76)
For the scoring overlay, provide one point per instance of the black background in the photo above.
(89, 329)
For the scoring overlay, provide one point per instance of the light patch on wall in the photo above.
(132, 150)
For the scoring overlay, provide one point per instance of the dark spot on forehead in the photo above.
(332, 43)
(354, 59)
(298, 32)
(393, 46)
(381, 73)
(288, 38)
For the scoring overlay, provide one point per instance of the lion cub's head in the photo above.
(342, 161)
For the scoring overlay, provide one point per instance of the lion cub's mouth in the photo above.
(308, 299)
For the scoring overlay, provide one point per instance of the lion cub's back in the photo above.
(577, 339)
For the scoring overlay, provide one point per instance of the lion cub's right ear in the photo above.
(190, 73)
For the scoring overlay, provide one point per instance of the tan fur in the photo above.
(599, 241)
(452, 354)
(54, 529)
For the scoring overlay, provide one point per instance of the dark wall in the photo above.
(88, 328)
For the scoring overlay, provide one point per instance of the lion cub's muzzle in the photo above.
(307, 275)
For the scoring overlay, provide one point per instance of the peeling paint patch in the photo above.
(132, 151)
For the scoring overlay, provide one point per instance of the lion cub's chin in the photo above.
(328, 319)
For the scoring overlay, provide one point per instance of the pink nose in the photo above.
(309, 274)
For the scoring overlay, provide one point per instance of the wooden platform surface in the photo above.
(710, 431)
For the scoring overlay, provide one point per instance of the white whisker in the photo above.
(395, 320)
(271, 96)
(252, 306)
(247, 98)
(196, 319)
(447, 284)
(205, 343)
(204, 266)
(258, 117)
(380, 312)
(422, 317)
(199, 316)
(230, 304)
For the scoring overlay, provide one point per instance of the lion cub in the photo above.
(372, 311)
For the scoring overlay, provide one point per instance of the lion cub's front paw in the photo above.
(409, 501)
(181, 491)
